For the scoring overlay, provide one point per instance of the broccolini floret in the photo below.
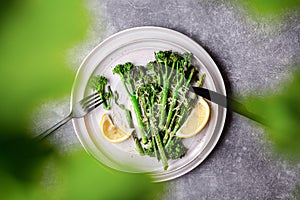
(98, 83)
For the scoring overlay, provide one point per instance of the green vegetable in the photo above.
(182, 84)
(130, 123)
(175, 149)
(98, 83)
(159, 93)
(124, 71)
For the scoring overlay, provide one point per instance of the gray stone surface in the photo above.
(252, 57)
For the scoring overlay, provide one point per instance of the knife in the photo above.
(228, 103)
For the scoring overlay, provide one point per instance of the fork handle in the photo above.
(53, 128)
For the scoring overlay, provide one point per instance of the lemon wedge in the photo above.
(111, 132)
(196, 121)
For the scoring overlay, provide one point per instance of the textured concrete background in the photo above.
(252, 57)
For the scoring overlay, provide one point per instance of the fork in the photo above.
(80, 109)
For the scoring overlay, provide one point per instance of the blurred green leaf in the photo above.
(22, 157)
(77, 176)
(269, 7)
(81, 173)
(282, 114)
(35, 36)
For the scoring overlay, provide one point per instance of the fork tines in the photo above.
(90, 102)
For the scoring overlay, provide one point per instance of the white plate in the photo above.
(138, 45)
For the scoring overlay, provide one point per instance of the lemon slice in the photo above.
(111, 132)
(196, 121)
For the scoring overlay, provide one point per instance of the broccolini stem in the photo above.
(144, 114)
(177, 126)
(173, 102)
(137, 111)
(201, 80)
(161, 151)
(154, 147)
(184, 111)
(163, 106)
(165, 92)
(138, 145)
(139, 118)
(166, 89)
(171, 115)
(130, 124)
(159, 144)
(125, 86)
(129, 118)
(173, 120)
(135, 138)
(155, 134)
